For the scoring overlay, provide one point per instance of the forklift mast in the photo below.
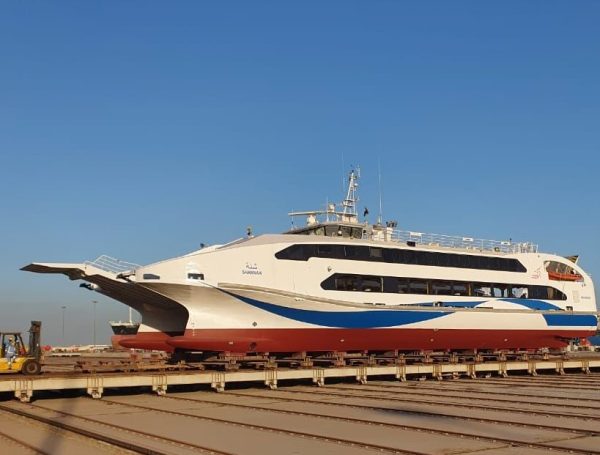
(34, 339)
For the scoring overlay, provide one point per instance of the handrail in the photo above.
(111, 264)
(449, 241)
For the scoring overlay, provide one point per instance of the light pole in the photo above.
(63, 308)
(94, 307)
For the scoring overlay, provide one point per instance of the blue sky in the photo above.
(141, 129)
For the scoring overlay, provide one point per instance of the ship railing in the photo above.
(110, 264)
(469, 243)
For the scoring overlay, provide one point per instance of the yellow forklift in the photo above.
(19, 358)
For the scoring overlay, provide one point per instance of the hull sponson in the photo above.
(252, 321)
(156, 341)
(326, 339)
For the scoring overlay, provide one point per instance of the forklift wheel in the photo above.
(31, 367)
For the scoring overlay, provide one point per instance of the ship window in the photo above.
(408, 257)
(464, 261)
(358, 253)
(363, 283)
(418, 287)
(545, 293)
(398, 256)
(460, 289)
(473, 262)
(558, 267)
(294, 253)
(537, 292)
(441, 288)
(499, 290)
(426, 258)
(371, 284)
(195, 276)
(482, 290)
(443, 260)
(390, 255)
(403, 286)
(331, 231)
(484, 263)
(518, 291)
(357, 233)
(345, 283)
(376, 253)
(346, 231)
(325, 251)
(151, 276)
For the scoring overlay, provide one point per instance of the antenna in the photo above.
(379, 220)
(343, 173)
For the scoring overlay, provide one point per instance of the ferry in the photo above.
(339, 284)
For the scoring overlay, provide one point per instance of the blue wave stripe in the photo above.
(347, 319)
(578, 320)
(533, 304)
(389, 318)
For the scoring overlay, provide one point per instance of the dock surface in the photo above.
(425, 414)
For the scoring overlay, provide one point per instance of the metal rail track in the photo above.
(302, 434)
(442, 394)
(404, 411)
(593, 378)
(558, 380)
(420, 429)
(102, 437)
(423, 386)
(555, 385)
(466, 406)
(579, 377)
(22, 444)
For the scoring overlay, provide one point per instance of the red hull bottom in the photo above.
(324, 340)
(154, 341)
(116, 340)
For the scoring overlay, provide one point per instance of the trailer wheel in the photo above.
(31, 367)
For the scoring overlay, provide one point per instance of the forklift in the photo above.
(19, 358)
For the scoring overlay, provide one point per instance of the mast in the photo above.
(347, 213)
(349, 204)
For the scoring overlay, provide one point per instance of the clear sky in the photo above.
(140, 129)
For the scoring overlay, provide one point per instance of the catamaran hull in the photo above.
(247, 296)
(326, 340)
(254, 321)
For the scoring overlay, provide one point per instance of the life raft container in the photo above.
(564, 276)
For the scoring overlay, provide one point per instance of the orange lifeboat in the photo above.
(564, 276)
